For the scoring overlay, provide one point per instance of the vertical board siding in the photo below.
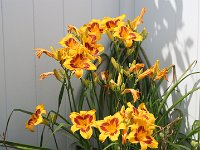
(48, 29)
(173, 39)
(128, 8)
(2, 77)
(19, 66)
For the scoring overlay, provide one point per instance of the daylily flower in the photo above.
(110, 127)
(126, 35)
(161, 74)
(138, 20)
(45, 75)
(135, 93)
(78, 63)
(69, 41)
(94, 49)
(72, 29)
(36, 117)
(146, 116)
(140, 133)
(141, 114)
(95, 27)
(148, 72)
(83, 121)
(40, 51)
(136, 67)
(111, 23)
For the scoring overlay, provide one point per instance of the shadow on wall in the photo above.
(164, 22)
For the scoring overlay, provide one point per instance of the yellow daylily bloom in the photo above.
(36, 118)
(140, 133)
(146, 116)
(126, 35)
(110, 127)
(83, 121)
(110, 23)
(78, 63)
(94, 49)
(69, 41)
(95, 27)
(138, 20)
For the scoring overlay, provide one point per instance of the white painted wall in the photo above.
(173, 27)
(24, 24)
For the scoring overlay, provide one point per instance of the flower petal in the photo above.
(102, 137)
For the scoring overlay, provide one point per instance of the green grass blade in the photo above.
(172, 89)
(177, 102)
(177, 146)
(21, 146)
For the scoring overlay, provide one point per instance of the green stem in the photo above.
(71, 89)
(95, 93)
(54, 137)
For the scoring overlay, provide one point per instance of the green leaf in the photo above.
(177, 146)
(172, 89)
(177, 102)
(196, 125)
(20, 146)
(61, 95)
(110, 145)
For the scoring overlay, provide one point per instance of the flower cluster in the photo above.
(80, 46)
(137, 125)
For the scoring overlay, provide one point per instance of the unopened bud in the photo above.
(114, 63)
(110, 36)
(57, 75)
(144, 33)
(52, 117)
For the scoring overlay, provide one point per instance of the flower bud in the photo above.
(194, 143)
(85, 82)
(130, 51)
(110, 36)
(114, 63)
(57, 75)
(144, 33)
(52, 117)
